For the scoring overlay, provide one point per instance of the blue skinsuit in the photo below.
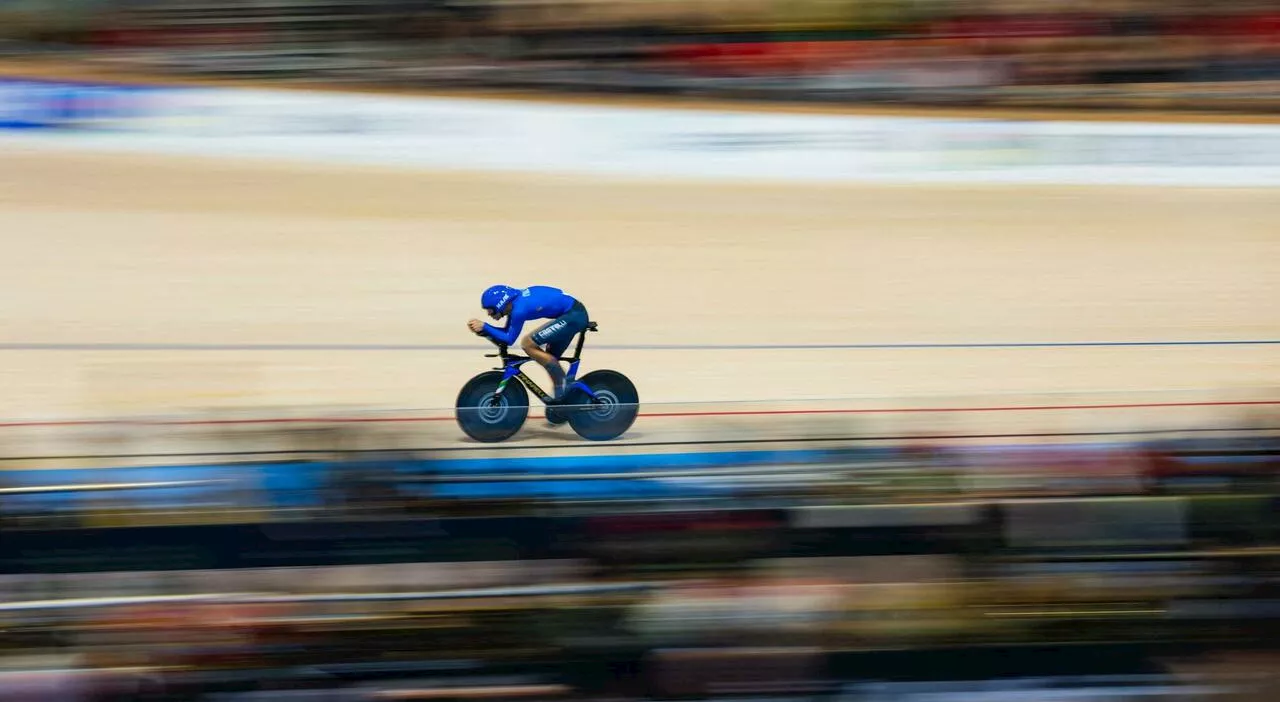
(536, 302)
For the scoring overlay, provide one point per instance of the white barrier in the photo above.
(443, 133)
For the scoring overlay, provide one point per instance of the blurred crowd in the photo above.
(324, 569)
(1156, 52)
(787, 628)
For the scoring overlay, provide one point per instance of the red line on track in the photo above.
(713, 413)
(938, 410)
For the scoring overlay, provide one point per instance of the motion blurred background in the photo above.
(216, 482)
(1102, 53)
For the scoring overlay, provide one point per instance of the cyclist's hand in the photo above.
(476, 326)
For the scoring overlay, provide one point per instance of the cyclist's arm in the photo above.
(509, 334)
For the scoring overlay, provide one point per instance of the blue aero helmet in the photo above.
(495, 299)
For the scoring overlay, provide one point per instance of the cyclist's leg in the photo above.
(568, 326)
(545, 356)
(548, 343)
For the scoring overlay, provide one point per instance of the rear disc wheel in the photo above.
(610, 414)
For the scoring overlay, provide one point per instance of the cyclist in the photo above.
(546, 344)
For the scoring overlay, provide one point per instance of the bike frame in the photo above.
(512, 368)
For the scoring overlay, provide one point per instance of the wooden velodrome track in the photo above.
(150, 285)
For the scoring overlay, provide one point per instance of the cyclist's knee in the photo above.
(529, 345)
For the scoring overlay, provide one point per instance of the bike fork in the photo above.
(507, 375)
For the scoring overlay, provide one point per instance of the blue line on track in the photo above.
(142, 346)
